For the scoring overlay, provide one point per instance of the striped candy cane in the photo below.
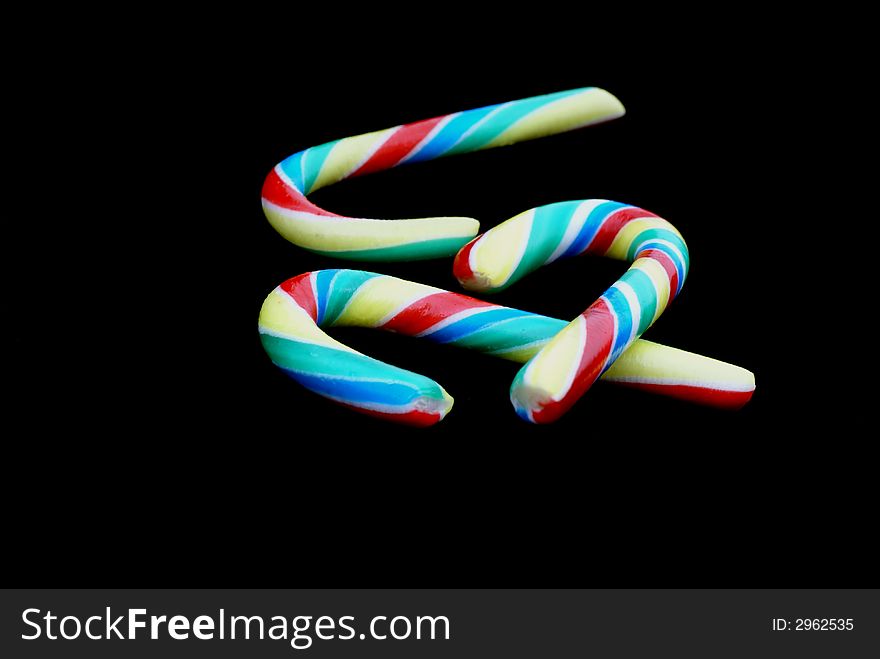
(567, 366)
(305, 224)
(294, 313)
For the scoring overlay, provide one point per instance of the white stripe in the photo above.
(575, 224)
(396, 409)
(704, 384)
(403, 305)
(473, 253)
(427, 138)
(284, 177)
(483, 120)
(353, 295)
(313, 280)
(422, 403)
(375, 147)
(355, 378)
(330, 294)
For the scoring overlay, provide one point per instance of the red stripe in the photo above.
(396, 147)
(278, 192)
(612, 226)
(412, 418)
(731, 400)
(600, 338)
(300, 289)
(666, 261)
(461, 266)
(427, 312)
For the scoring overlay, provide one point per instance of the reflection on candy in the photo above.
(292, 315)
(550, 383)
(305, 224)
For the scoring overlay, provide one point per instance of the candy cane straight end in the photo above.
(425, 411)
(683, 375)
(534, 404)
(462, 269)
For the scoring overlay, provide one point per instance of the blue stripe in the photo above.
(292, 168)
(656, 233)
(447, 136)
(591, 227)
(342, 374)
(617, 301)
(322, 291)
(356, 391)
(471, 324)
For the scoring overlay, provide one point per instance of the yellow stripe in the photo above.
(379, 297)
(647, 361)
(522, 354)
(552, 370)
(345, 234)
(281, 315)
(568, 113)
(660, 279)
(497, 254)
(628, 233)
(346, 155)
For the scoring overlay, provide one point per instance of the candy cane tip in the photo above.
(435, 408)
(534, 404)
(477, 282)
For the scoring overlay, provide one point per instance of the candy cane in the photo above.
(305, 224)
(567, 366)
(294, 313)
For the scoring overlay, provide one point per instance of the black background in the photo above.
(157, 443)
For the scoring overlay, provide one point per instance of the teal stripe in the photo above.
(344, 285)
(504, 118)
(313, 160)
(548, 228)
(646, 295)
(331, 363)
(426, 249)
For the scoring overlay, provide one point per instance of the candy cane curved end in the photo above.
(300, 221)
